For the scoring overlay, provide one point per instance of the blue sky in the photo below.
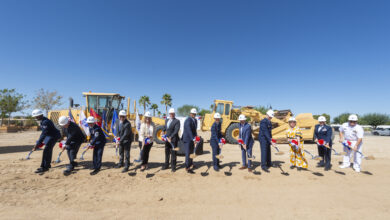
(306, 55)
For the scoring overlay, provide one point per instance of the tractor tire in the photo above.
(229, 133)
(157, 134)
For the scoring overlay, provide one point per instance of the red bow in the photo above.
(273, 141)
(240, 141)
(40, 145)
(294, 142)
(321, 142)
(61, 144)
(222, 141)
(197, 138)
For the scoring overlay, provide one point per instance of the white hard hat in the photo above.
(291, 119)
(193, 111)
(122, 113)
(90, 120)
(217, 115)
(147, 114)
(321, 119)
(353, 118)
(171, 110)
(270, 113)
(242, 118)
(63, 120)
(37, 112)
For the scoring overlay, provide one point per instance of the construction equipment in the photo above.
(230, 124)
(101, 103)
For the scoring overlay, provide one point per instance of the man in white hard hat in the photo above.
(74, 138)
(189, 134)
(49, 136)
(265, 139)
(245, 135)
(322, 131)
(351, 131)
(215, 138)
(97, 142)
(171, 130)
(124, 135)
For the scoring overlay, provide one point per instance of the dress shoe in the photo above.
(243, 167)
(265, 170)
(216, 169)
(119, 165)
(249, 170)
(41, 170)
(165, 167)
(125, 169)
(94, 172)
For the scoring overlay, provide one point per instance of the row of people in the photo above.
(349, 131)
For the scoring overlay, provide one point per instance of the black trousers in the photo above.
(170, 154)
(145, 153)
(47, 154)
(326, 155)
(124, 154)
(97, 157)
(189, 149)
(72, 154)
(216, 150)
(265, 148)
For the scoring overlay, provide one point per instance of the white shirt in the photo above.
(146, 131)
(351, 133)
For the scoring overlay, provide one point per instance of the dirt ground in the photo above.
(229, 194)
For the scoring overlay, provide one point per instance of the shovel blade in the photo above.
(219, 157)
(192, 156)
(279, 153)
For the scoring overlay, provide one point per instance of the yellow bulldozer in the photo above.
(230, 124)
(101, 103)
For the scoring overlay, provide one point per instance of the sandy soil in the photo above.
(228, 194)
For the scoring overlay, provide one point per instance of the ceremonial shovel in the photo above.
(276, 148)
(348, 145)
(197, 140)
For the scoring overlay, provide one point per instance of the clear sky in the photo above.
(314, 56)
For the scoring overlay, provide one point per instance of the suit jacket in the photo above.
(265, 131)
(97, 136)
(325, 133)
(74, 135)
(173, 130)
(246, 134)
(216, 134)
(49, 132)
(189, 132)
(124, 132)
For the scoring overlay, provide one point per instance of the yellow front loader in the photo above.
(230, 124)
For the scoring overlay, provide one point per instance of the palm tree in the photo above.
(167, 101)
(154, 107)
(144, 101)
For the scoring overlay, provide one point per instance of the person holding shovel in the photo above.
(97, 142)
(216, 136)
(294, 137)
(146, 138)
(171, 131)
(353, 133)
(74, 138)
(49, 136)
(265, 139)
(189, 134)
(246, 143)
(125, 135)
(323, 133)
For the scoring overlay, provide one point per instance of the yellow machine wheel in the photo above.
(232, 133)
(158, 134)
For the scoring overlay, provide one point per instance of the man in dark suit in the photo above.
(74, 138)
(97, 142)
(49, 136)
(171, 130)
(265, 139)
(324, 132)
(247, 143)
(124, 132)
(189, 134)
